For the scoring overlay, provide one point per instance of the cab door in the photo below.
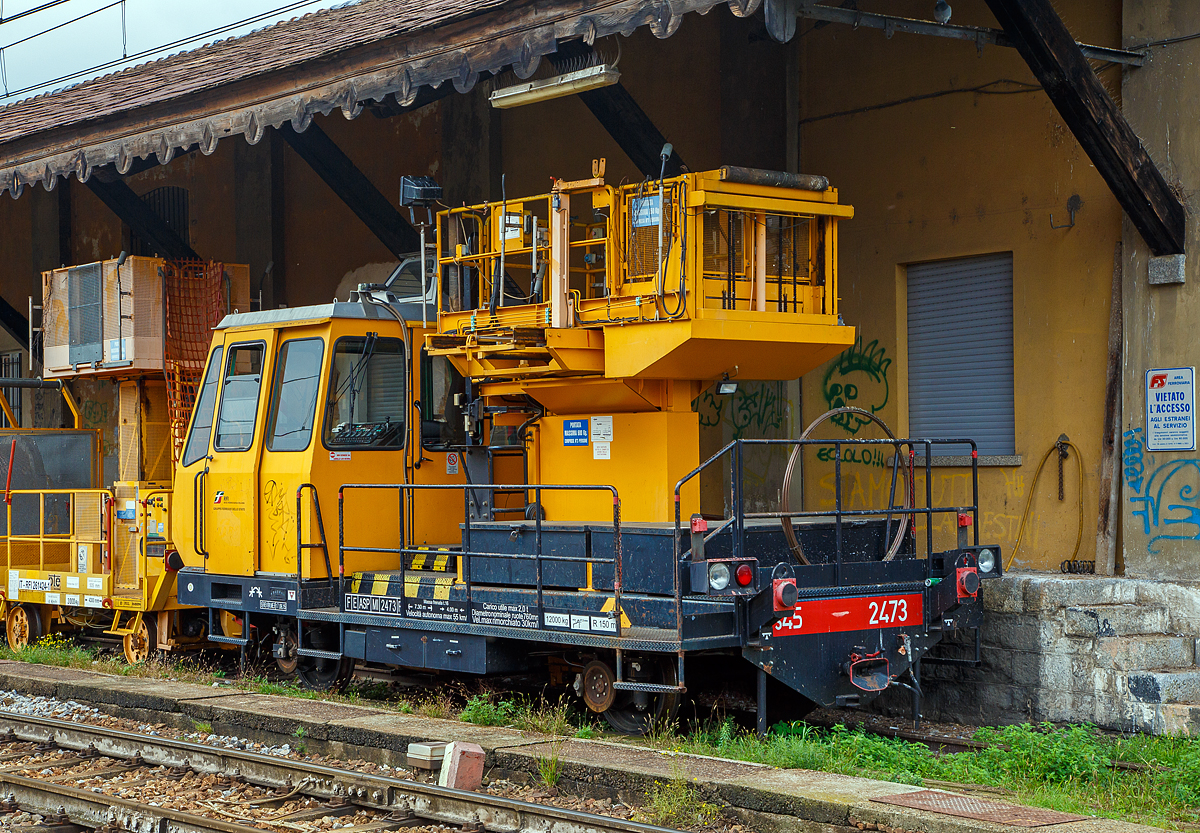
(289, 436)
(228, 497)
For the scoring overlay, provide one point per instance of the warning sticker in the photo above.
(505, 615)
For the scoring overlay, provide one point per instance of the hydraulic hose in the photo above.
(1033, 489)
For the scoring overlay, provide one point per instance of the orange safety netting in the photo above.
(196, 298)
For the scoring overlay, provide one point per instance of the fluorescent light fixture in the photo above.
(569, 83)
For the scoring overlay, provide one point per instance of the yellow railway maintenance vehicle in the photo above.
(501, 474)
(81, 556)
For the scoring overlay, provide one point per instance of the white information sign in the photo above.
(601, 450)
(1171, 409)
(602, 428)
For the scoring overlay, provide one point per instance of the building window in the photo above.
(10, 368)
(960, 352)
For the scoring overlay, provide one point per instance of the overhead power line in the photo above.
(98, 68)
(28, 12)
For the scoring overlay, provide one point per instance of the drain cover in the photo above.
(973, 808)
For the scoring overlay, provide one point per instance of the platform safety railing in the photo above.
(407, 491)
(64, 543)
(903, 459)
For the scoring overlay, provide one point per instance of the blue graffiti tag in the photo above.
(1152, 502)
(1132, 457)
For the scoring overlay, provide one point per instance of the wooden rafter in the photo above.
(353, 188)
(1093, 117)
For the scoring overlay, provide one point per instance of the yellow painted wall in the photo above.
(1161, 532)
(957, 175)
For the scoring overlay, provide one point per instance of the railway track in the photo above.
(80, 777)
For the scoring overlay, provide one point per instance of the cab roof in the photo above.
(353, 309)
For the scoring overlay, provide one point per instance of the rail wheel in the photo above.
(637, 712)
(142, 642)
(322, 673)
(287, 660)
(24, 626)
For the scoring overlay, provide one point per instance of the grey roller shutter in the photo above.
(960, 352)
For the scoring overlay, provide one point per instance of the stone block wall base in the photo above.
(1117, 652)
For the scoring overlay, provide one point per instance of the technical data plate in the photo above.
(974, 808)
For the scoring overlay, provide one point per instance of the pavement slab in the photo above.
(767, 799)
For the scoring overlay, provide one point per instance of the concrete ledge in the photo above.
(767, 799)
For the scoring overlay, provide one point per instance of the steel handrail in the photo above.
(465, 554)
(70, 536)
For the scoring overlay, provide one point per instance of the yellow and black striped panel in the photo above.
(411, 585)
(433, 559)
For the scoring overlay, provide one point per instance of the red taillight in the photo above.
(745, 574)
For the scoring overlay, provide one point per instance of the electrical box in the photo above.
(101, 319)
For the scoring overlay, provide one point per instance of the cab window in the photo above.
(366, 403)
(441, 419)
(206, 405)
(239, 397)
(294, 394)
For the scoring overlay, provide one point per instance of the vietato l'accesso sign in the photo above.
(1171, 409)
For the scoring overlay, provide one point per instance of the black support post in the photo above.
(632, 129)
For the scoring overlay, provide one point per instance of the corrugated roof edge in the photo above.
(425, 58)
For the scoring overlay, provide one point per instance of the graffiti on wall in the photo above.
(756, 409)
(857, 378)
(1168, 506)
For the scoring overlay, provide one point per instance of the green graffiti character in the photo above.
(858, 379)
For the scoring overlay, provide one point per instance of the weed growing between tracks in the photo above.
(676, 803)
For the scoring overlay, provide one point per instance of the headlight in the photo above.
(987, 561)
(718, 576)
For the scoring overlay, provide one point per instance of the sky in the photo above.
(32, 66)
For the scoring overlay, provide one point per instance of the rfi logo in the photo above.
(218, 498)
(1158, 380)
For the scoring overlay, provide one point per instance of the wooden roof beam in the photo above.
(141, 219)
(628, 124)
(353, 188)
(1094, 118)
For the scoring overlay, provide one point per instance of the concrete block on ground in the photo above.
(1115, 620)
(462, 766)
(1021, 633)
(1138, 653)
(1166, 687)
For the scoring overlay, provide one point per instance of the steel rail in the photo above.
(99, 810)
(368, 790)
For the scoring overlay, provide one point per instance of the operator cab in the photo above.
(293, 404)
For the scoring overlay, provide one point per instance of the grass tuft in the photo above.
(677, 804)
